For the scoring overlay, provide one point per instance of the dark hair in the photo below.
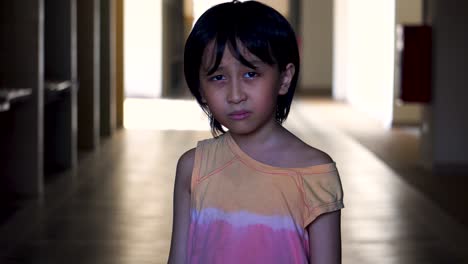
(260, 29)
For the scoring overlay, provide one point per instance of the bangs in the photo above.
(234, 42)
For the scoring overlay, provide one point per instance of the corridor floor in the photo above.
(117, 206)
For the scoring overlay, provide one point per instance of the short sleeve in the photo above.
(323, 193)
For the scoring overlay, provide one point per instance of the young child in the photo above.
(254, 193)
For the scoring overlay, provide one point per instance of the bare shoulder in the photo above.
(315, 156)
(307, 155)
(185, 167)
(187, 159)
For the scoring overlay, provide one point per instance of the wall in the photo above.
(364, 61)
(173, 24)
(195, 8)
(445, 143)
(88, 65)
(340, 50)
(316, 41)
(119, 60)
(407, 12)
(22, 128)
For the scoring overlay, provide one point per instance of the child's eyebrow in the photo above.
(209, 70)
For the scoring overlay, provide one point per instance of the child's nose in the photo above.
(236, 93)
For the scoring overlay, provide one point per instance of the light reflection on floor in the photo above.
(164, 114)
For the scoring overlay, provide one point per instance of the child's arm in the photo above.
(325, 239)
(181, 216)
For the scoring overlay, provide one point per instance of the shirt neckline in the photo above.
(237, 151)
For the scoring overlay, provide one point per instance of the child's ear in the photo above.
(286, 78)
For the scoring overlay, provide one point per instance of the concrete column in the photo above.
(88, 73)
(22, 127)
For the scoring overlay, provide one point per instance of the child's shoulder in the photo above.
(187, 159)
(185, 166)
(305, 155)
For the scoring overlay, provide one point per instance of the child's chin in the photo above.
(240, 130)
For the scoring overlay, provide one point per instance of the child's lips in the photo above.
(239, 115)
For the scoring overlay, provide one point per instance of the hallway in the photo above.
(117, 206)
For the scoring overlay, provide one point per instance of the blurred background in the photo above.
(94, 113)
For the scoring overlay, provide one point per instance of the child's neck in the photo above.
(263, 140)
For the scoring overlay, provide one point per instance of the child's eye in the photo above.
(217, 78)
(250, 75)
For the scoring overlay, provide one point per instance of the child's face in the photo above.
(241, 98)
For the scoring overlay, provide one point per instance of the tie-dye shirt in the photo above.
(244, 211)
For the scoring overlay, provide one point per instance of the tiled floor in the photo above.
(117, 206)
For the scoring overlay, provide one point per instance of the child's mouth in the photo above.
(239, 115)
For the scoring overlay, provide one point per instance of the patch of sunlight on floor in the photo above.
(164, 114)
